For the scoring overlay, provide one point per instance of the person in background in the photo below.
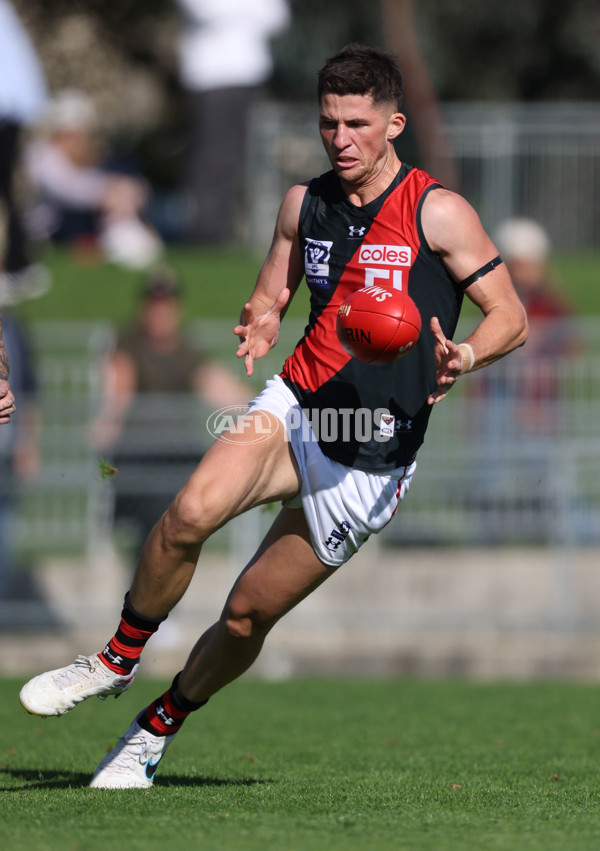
(22, 100)
(77, 200)
(146, 424)
(517, 408)
(225, 61)
(526, 249)
(19, 446)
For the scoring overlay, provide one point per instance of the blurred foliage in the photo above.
(125, 56)
(504, 49)
(318, 31)
(512, 49)
(500, 49)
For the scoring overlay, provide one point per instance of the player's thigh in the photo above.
(239, 471)
(283, 572)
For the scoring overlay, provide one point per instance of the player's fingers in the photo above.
(436, 330)
(242, 349)
(247, 315)
(7, 404)
(281, 300)
(249, 364)
(6, 411)
(435, 397)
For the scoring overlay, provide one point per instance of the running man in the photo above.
(370, 219)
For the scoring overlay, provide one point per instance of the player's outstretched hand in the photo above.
(7, 402)
(261, 331)
(448, 360)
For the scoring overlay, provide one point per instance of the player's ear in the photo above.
(395, 125)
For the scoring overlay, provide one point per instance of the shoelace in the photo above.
(128, 756)
(80, 672)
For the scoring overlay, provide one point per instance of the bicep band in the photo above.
(481, 272)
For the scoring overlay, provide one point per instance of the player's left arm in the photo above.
(453, 230)
(7, 400)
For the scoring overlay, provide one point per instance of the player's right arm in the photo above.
(277, 281)
(7, 400)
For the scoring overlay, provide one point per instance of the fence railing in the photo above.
(536, 159)
(513, 454)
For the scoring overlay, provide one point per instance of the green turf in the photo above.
(307, 765)
(218, 281)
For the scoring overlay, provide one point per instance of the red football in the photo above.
(377, 325)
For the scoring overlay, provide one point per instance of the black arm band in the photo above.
(481, 272)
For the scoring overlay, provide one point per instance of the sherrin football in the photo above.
(377, 325)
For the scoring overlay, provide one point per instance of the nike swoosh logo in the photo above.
(150, 769)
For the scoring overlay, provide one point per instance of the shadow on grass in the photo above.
(53, 779)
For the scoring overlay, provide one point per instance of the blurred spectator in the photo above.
(19, 448)
(79, 201)
(22, 99)
(148, 424)
(530, 393)
(519, 405)
(225, 60)
(525, 248)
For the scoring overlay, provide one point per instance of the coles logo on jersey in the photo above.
(316, 262)
(385, 255)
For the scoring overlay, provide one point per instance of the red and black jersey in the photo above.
(346, 248)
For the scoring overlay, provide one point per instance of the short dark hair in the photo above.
(360, 70)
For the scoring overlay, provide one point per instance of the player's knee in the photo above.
(240, 627)
(188, 521)
(243, 621)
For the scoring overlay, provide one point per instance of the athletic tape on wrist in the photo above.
(469, 348)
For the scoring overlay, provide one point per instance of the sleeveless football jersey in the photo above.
(373, 418)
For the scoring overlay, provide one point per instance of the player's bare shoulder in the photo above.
(448, 220)
(289, 212)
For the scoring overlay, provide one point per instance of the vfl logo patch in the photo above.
(317, 254)
(337, 536)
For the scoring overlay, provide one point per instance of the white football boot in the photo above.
(57, 692)
(132, 762)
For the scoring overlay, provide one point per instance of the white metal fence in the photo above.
(513, 454)
(536, 159)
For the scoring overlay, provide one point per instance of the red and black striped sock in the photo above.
(123, 651)
(165, 716)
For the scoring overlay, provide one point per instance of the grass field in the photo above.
(307, 765)
(318, 765)
(217, 282)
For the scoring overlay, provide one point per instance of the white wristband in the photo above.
(469, 349)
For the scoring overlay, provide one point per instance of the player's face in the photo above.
(357, 136)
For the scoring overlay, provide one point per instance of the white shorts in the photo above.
(343, 506)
